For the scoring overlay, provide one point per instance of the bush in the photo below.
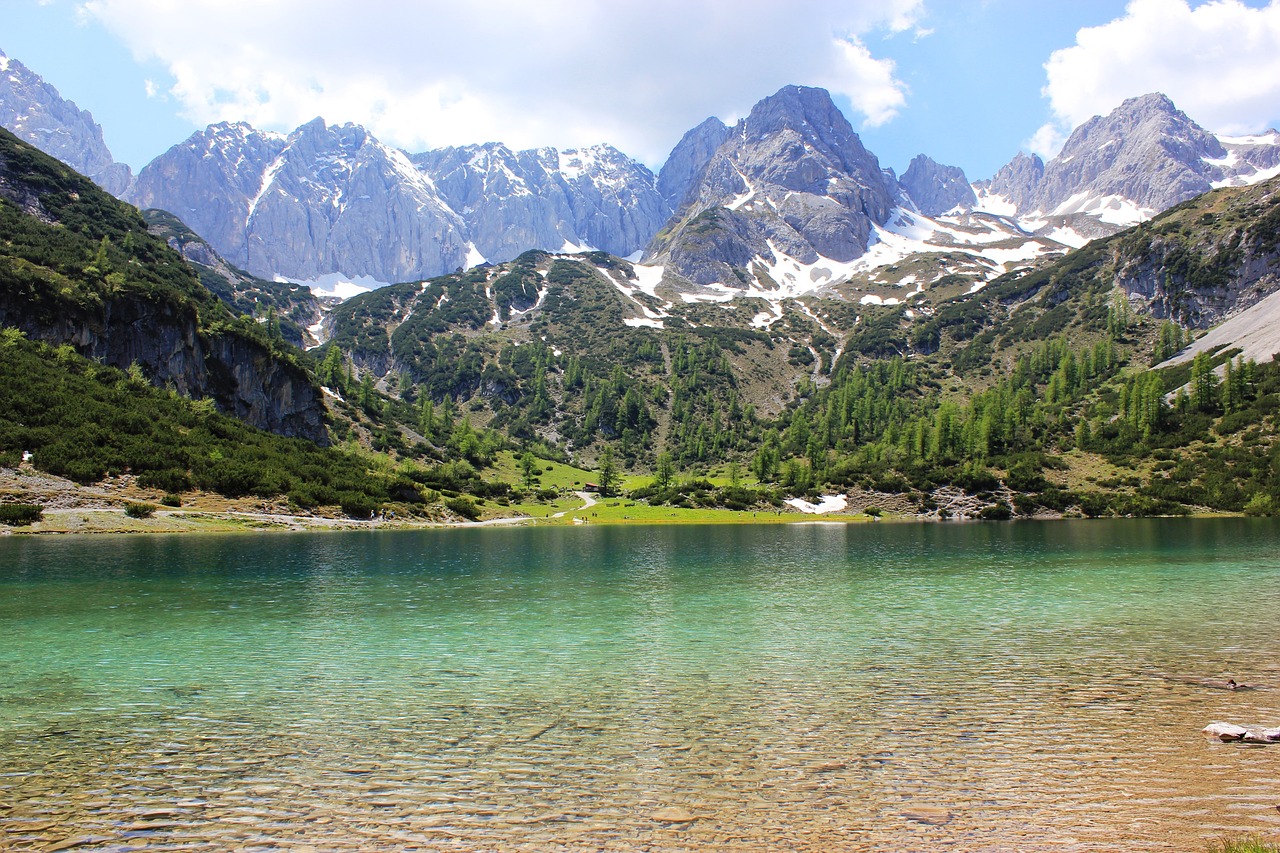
(139, 510)
(171, 500)
(1260, 504)
(358, 506)
(170, 480)
(998, 511)
(20, 515)
(464, 507)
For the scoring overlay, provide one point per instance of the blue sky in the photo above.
(968, 82)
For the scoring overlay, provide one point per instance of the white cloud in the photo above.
(636, 73)
(1219, 61)
(1047, 141)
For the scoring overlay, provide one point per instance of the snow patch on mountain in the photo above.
(1112, 209)
(653, 317)
(572, 248)
(795, 277)
(994, 203)
(474, 258)
(337, 286)
(1256, 177)
(648, 278)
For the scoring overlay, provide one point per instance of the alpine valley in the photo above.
(334, 326)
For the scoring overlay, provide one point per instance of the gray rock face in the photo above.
(334, 199)
(210, 181)
(36, 113)
(791, 178)
(935, 188)
(1146, 152)
(321, 200)
(688, 161)
(513, 201)
(1018, 180)
(1200, 268)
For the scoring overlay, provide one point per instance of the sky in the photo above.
(967, 82)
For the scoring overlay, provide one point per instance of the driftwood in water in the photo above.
(1232, 733)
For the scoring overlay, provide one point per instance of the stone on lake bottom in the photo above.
(931, 815)
(673, 814)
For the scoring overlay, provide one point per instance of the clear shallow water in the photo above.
(877, 687)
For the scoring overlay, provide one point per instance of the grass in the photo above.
(1245, 844)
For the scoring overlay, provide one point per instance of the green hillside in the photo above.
(1035, 394)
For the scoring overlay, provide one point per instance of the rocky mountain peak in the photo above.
(688, 161)
(935, 188)
(543, 198)
(37, 114)
(1144, 156)
(796, 129)
(790, 186)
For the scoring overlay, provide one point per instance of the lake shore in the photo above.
(71, 508)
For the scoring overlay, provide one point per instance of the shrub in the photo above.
(134, 509)
(357, 505)
(171, 500)
(20, 515)
(998, 511)
(1260, 504)
(464, 507)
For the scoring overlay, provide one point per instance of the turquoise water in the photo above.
(815, 687)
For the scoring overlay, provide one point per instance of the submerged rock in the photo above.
(1232, 733)
(929, 815)
(674, 814)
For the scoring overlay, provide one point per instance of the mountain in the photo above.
(937, 189)
(1142, 158)
(79, 268)
(323, 199)
(687, 162)
(34, 111)
(791, 182)
(513, 201)
(293, 308)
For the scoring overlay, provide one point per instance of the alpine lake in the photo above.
(815, 687)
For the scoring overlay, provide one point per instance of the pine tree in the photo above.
(608, 471)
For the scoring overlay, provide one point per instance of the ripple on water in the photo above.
(1021, 708)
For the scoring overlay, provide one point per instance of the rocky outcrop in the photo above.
(935, 188)
(334, 199)
(293, 306)
(688, 161)
(35, 112)
(321, 200)
(151, 311)
(1146, 151)
(791, 179)
(1017, 182)
(513, 201)
(210, 182)
(242, 377)
(1199, 268)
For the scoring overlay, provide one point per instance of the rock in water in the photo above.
(673, 814)
(1232, 733)
(930, 815)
